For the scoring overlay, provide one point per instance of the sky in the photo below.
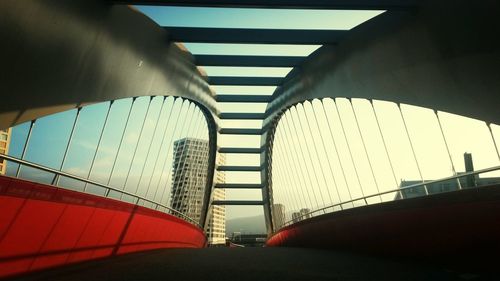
(168, 119)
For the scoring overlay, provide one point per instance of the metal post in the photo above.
(308, 154)
(412, 149)
(149, 146)
(55, 180)
(316, 151)
(168, 150)
(25, 147)
(337, 152)
(295, 160)
(327, 157)
(289, 174)
(161, 145)
(366, 150)
(120, 145)
(303, 158)
(278, 142)
(447, 148)
(350, 152)
(137, 145)
(98, 144)
(277, 174)
(385, 148)
(493, 139)
(284, 172)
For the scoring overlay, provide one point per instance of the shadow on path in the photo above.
(254, 264)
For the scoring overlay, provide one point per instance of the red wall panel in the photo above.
(42, 226)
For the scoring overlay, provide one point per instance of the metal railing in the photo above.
(107, 187)
(398, 190)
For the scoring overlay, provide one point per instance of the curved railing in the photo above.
(329, 154)
(156, 205)
(399, 195)
(138, 150)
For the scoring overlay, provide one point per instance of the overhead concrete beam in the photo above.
(59, 55)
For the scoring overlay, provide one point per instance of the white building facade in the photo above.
(189, 175)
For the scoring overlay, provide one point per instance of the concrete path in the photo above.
(255, 264)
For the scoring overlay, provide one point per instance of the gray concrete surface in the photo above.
(256, 264)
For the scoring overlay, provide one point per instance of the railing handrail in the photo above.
(64, 174)
(458, 176)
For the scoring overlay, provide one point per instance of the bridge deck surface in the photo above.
(254, 264)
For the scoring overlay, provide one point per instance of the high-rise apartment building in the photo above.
(279, 215)
(4, 148)
(189, 174)
(302, 214)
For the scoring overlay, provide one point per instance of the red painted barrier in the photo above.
(42, 226)
(462, 224)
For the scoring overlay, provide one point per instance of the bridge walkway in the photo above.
(255, 264)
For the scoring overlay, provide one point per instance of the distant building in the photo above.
(279, 215)
(217, 222)
(295, 217)
(302, 214)
(189, 174)
(450, 185)
(4, 148)
(305, 213)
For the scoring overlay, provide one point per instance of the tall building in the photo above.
(216, 228)
(189, 174)
(305, 213)
(4, 148)
(279, 215)
(302, 214)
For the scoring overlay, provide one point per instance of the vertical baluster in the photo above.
(365, 149)
(98, 144)
(327, 158)
(385, 148)
(170, 142)
(447, 148)
(309, 156)
(295, 130)
(282, 164)
(412, 148)
(278, 168)
(295, 161)
(337, 152)
(25, 147)
(55, 180)
(350, 152)
(120, 145)
(149, 146)
(137, 145)
(493, 139)
(278, 140)
(161, 145)
(317, 155)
